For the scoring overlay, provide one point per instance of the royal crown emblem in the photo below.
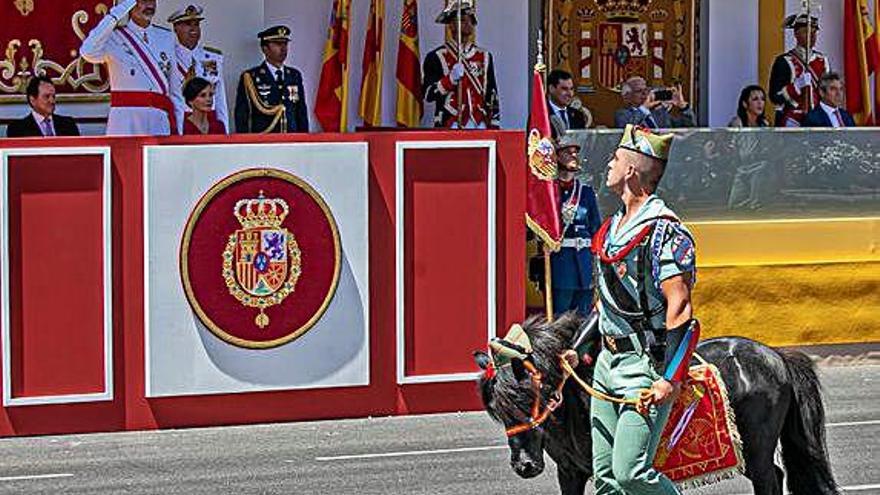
(623, 9)
(261, 262)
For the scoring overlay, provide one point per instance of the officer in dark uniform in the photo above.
(271, 97)
(572, 266)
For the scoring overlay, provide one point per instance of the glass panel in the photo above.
(742, 174)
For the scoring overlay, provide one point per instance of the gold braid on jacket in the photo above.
(277, 112)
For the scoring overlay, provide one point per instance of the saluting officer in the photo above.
(271, 97)
(145, 88)
(197, 60)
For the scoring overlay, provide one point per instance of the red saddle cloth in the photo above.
(700, 444)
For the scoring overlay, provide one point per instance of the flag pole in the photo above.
(458, 48)
(550, 36)
(548, 275)
(809, 50)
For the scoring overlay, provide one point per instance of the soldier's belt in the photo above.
(617, 345)
(577, 243)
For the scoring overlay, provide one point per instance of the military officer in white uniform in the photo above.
(145, 86)
(197, 60)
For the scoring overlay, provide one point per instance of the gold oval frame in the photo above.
(187, 237)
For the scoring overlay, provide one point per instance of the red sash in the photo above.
(146, 57)
(148, 99)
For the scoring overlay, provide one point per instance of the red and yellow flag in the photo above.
(409, 72)
(542, 198)
(861, 59)
(370, 108)
(331, 104)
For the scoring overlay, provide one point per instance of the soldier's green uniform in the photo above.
(624, 441)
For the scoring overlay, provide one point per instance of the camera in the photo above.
(663, 94)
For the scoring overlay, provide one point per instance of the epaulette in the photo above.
(213, 50)
(163, 28)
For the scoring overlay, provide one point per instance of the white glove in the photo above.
(804, 80)
(457, 72)
(122, 9)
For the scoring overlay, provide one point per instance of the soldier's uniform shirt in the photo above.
(144, 81)
(789, 100)
(207, 63)
(676, 255)
(624, 441)
(480, 105)
(270, 90)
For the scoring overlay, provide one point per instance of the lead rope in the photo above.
(569, 371)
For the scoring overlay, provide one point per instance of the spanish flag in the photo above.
(542, 197)
(331, 104)
(409, 72)
(371, 83)
(861, 59)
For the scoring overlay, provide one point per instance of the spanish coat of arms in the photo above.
(261, 262)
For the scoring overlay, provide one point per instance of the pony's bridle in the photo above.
(538, 417)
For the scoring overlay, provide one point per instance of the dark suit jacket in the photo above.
(662, 118)
(576, 120)
(269, 93)
(818, 118)
(27, 127)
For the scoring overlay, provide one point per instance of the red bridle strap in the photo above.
(538, 417)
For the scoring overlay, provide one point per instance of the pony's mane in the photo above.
(509, 400)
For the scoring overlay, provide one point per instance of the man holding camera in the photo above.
(654, 109)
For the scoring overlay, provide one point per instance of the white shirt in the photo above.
(120, 48)
(206, 63)
(833, 115)
(40, 119)
(562, 112)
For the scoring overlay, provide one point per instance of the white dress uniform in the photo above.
(145, 86)
(207, 63)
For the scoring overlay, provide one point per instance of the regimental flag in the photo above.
(861, 59)
(331, 104)
(542, 200)
(370, 108)
(409, 72)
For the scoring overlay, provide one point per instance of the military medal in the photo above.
(569, 209)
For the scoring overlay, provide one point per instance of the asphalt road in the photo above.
(455, 454)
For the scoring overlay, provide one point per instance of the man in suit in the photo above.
(563, 116)
(42, 121)
(645, 110)
(271, 97)
(830, 111)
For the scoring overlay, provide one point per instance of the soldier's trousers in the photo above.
(624, 441)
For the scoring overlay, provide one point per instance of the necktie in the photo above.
(47, 127)
(839, 118)
(564, 115)
(649, 121)
(279, 77)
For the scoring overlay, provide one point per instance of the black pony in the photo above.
(775, 395)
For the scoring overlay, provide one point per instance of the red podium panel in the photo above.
(56, 334)
(448, 277)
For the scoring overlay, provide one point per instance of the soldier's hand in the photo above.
(661, 391)
(122, 9)
(804, 80)
(457, 72)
